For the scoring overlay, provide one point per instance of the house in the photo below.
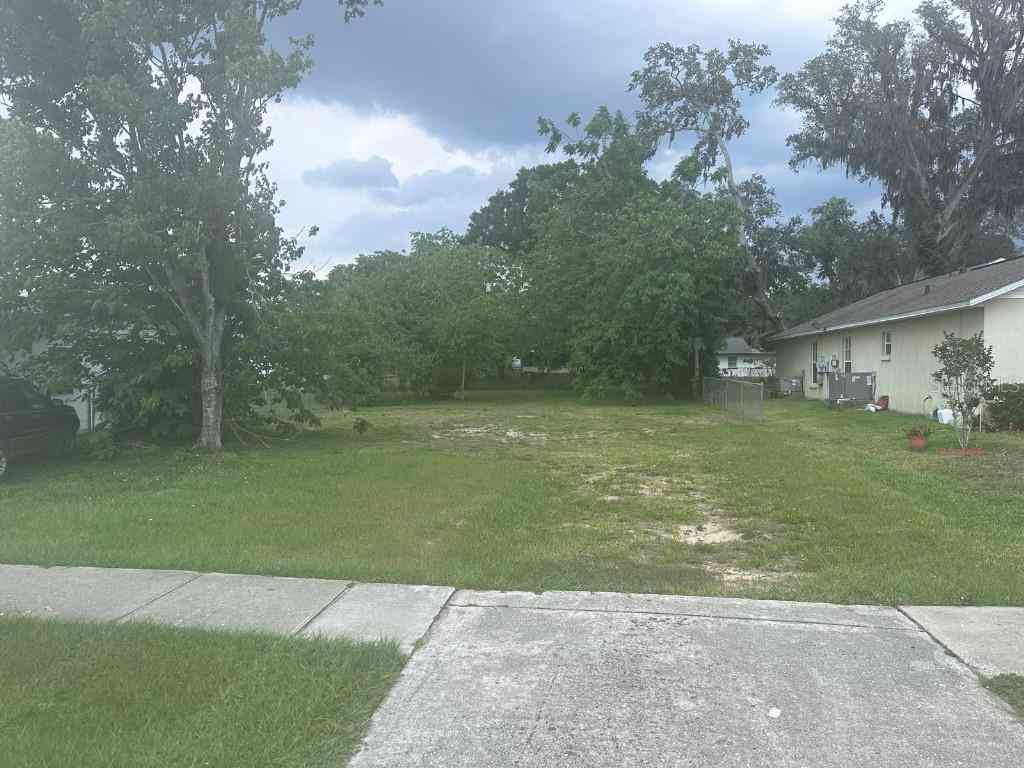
(892, 334)
(737, 358)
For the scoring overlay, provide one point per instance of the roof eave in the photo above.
(975, 302)
(877, 321)
(997, 293)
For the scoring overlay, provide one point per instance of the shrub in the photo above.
(965, 376)
(98, 444)
(1006, 407)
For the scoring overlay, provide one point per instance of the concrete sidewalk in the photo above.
(280, 605)
(605, 679)
(564, 680)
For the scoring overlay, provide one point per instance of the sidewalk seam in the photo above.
(941, 644)
(317, 614)
(433, 622)
(689, 616)
(195, 575)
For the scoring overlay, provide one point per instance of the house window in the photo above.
(733, 361)
(848, 354)
(887, 345)
(814, 363)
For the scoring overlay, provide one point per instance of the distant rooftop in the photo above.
(737, 345)
(957, 290)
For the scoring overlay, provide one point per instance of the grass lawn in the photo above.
(1011, 689)
(538, 491)
(106, 696)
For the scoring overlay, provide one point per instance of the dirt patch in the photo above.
(627, 481)
(649, 485)
(585, 526)
(710, 532)
(493, 431)
(515, 435)
(730, 575)
(457, 432)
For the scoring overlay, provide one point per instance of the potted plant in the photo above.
(918, 436)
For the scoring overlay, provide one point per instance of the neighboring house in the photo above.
(737, 358)
(893, 334)
(82, 402)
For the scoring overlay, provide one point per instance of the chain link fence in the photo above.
(743, 398)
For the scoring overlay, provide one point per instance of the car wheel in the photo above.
(3, 463)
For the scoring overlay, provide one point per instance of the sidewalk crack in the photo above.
(161, 596)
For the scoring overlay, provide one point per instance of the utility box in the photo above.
(855, 388)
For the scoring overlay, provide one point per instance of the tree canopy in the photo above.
(933, 109)
(136, 209)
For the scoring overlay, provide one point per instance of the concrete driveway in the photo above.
(585, 679)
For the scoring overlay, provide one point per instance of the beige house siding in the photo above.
(906, 376)
(1004, 330)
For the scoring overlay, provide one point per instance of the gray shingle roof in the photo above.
(958, 290)
(737, 345)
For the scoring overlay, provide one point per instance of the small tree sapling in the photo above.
(965, 377)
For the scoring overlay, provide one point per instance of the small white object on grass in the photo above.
(774, 713)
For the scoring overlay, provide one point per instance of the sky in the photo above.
(414, 115)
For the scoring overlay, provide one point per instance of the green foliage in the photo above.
(434, 316)
(697, 93)
(510, 218)
(965, 375)
(98, 445)
(1005, 404)
(138, 224)
(630, 276)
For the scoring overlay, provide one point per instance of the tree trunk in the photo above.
(212, 377)
(212, 392)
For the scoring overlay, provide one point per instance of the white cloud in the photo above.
(311, 135)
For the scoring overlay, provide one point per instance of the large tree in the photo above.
(933, 109)
(855, 259)
(137, 199)
(510, 218)
(696, 94)
(640, 277)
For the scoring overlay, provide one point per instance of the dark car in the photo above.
(32, 424)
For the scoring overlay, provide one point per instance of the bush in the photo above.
(1006, 407)
(98, 444)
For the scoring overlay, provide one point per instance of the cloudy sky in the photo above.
(417, 113)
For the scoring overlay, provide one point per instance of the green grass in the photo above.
(1011, 689)
(105, 696)
(534, 491)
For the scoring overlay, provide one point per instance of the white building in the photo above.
(737, 358)
(892, 334)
